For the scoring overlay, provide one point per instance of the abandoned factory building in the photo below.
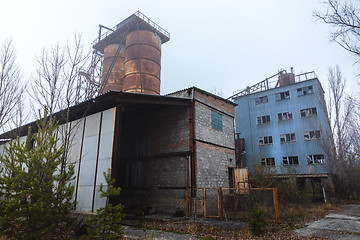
(158, 147)
(284, 124)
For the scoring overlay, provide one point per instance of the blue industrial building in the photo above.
(283, 121)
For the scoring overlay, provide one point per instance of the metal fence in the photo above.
(232, 203)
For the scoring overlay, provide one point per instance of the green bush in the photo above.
(106, 223)
(257, 221)
(35, 196)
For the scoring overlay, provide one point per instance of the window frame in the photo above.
(261, 100)
(290, 160)
(280, 96)
(268, 161)
(265, 139)
(216, 120)
(288, 116)
(308, 112)
(288, 138)
(315, 159)
(315, 133)
(263, 120)
(305, 90)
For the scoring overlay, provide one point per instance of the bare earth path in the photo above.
(343, 225)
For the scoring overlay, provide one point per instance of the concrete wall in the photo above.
(215, 152)
(247, 111)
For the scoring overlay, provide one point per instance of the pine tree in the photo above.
(106, 222)
(35, 196)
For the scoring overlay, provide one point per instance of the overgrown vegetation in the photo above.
(257, 221)
(106, 223)
(35, 196)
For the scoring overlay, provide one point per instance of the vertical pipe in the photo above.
(187, 202)
(220, 203)
(97, 163)
(204, 202)
(192, 146)
(276, 205)
(116, 145)
(80, 157)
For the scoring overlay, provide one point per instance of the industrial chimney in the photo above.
(132, 55)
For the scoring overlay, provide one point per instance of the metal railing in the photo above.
(267, 84)
(152, 23)
(140, 16)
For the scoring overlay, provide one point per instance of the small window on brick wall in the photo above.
(268, 161)
(216, 120)
(291, 160)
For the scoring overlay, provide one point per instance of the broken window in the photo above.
(285, 116)
(316, 159)
(311, 135)
(265, 140)
(260, 100)
(263, 119)
(216, 120)
(291, 160)
(305, 90)
(308, 112)
(282, 96)
(268, 161)
(289, 137)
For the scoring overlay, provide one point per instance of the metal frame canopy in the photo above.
(137, 21)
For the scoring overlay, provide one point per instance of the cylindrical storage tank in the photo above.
(115, 80)
(286, 79)
(142, 63)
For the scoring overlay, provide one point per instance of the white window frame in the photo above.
(308, 112)
(290, 160)
(315, 159)
(263, 120)
(285, 116)
(266, 140)
(305, 90)
(312, 135)
(261, 100)
(287, 138)
(282, 96)
(267, 161)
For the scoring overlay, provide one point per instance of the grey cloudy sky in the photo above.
(227, 45)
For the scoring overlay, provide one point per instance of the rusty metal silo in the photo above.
(131, 54)
(117, 73)
(142, 62)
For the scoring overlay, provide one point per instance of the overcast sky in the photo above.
(224, 45)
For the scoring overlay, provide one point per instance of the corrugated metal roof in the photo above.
(103, 102)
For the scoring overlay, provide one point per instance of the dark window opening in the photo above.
(291, 160)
